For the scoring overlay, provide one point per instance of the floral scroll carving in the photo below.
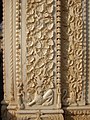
(40, 51)
(72, 62)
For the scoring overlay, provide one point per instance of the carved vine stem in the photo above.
(58, 48)
(11, 50)
(4, 70)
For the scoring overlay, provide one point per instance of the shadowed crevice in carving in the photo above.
(1, 78)
(64, 50)
(1, 11)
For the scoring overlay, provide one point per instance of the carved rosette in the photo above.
(40, 51)
(73, 54)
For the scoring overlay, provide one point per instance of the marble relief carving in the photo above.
(19, 82)
(73, 53)
(40, 52)
(53, 84)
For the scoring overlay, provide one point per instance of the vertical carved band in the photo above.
(75, 51)
(72, 53)
(11, 50)
(19, 82)
(40, 51)
(4, 70)
(18, 39)
(84, 48)
(58, 52)
(18, 49)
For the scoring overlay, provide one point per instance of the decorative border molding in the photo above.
(11, 51)
(4, 70)
(77, 110)
(73, 83)
(84, 49)
(18, 40)
(58, 51)
(19, 83)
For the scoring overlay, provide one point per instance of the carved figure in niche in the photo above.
(42, 97)
(20, 94)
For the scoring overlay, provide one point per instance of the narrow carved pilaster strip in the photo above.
(58, 52)
(4, 70)
(75, 52)
(72, 53)
(84, 48)
(18, 52)
(88, 50)
(11, 50)
(19, 83)
(18, 38)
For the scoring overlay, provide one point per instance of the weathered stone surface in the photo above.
(44, 60)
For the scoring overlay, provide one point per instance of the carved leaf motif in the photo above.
(40, 8)
(50, 26)
(50, 34)
(31, 20)
(32, 1)
(72, 62)
(51, 56)
(30, 53)
(40, 63)
(32, 59)
(49, 1)
(50, 66)
(31, 11)
(38, 45)
(50, 9)
(38, 35)
(40, 50)
(38, 1)
(44, 51)
(70, 2)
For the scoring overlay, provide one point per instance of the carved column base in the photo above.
(4, 110)
(40, 115)
(8, 111)
(77, 113)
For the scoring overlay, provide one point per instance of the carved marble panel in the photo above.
(73, 89)
(40, 50)
(44, 56)
(38, 86)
